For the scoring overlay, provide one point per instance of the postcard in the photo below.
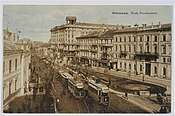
(84, 59)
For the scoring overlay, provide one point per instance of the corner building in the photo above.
(143, 50)
(64, 36)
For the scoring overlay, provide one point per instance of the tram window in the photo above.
(93, 90)
(104, 94)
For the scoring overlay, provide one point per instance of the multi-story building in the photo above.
(65, 36)
(96, 48)
(16, 70)
(144, 50)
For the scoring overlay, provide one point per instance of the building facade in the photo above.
(143, 50)
(95, 49)
(16, 70)
(140, 50)
(65, 36)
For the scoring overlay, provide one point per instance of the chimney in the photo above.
(159, 25)
(144, 25)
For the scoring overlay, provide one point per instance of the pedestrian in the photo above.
(57, 104)
(126, 95)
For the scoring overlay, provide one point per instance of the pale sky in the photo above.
(35, 21)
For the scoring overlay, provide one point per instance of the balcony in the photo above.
(146, 55)
(123, 53)
(94, 50)
(107, 44)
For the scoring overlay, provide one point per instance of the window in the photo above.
(155, 49)
(16, 61)
(134, 48)
(120, 39)
(147, 48)
(140, 67)
(164, 37)
(168, 59)
(147, 38)
(164, 49)
(129, 39)
(125, 48)
(125, 65)
(164, 71)
(155, 38)
(116, 39)
(15, 85)
(155, 70)
(135, 67)
(130, 66)
(124, 39)
(10, 88)
(140, 38)
(141, 48)
(134, 39)
(164, 60)
(10, 66)
(120, 64)
(129, 48)
(120, 47)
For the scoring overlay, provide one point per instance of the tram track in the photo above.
(86, 105)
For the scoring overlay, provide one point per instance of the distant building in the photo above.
(65, 36)
(16, 70)
(44, 49)
(25, 44)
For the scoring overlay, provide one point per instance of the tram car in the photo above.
(65, 77)
(102, 79)
(98, 92)
(76, 88)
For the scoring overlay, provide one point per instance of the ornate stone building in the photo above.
(143, 50)
(65, 36)
(140, 50)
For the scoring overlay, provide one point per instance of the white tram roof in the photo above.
(99, 85)
(67, 75)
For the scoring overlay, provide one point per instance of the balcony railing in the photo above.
(107, 44)
(123, 53)
(146, 55)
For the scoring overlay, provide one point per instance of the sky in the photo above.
(35, 21)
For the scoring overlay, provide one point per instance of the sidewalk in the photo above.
(144, 102)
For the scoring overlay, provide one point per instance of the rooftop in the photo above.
(8, 45)
(87, 25)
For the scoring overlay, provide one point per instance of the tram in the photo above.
(76, 88)
(98, 92)
(65, 77)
